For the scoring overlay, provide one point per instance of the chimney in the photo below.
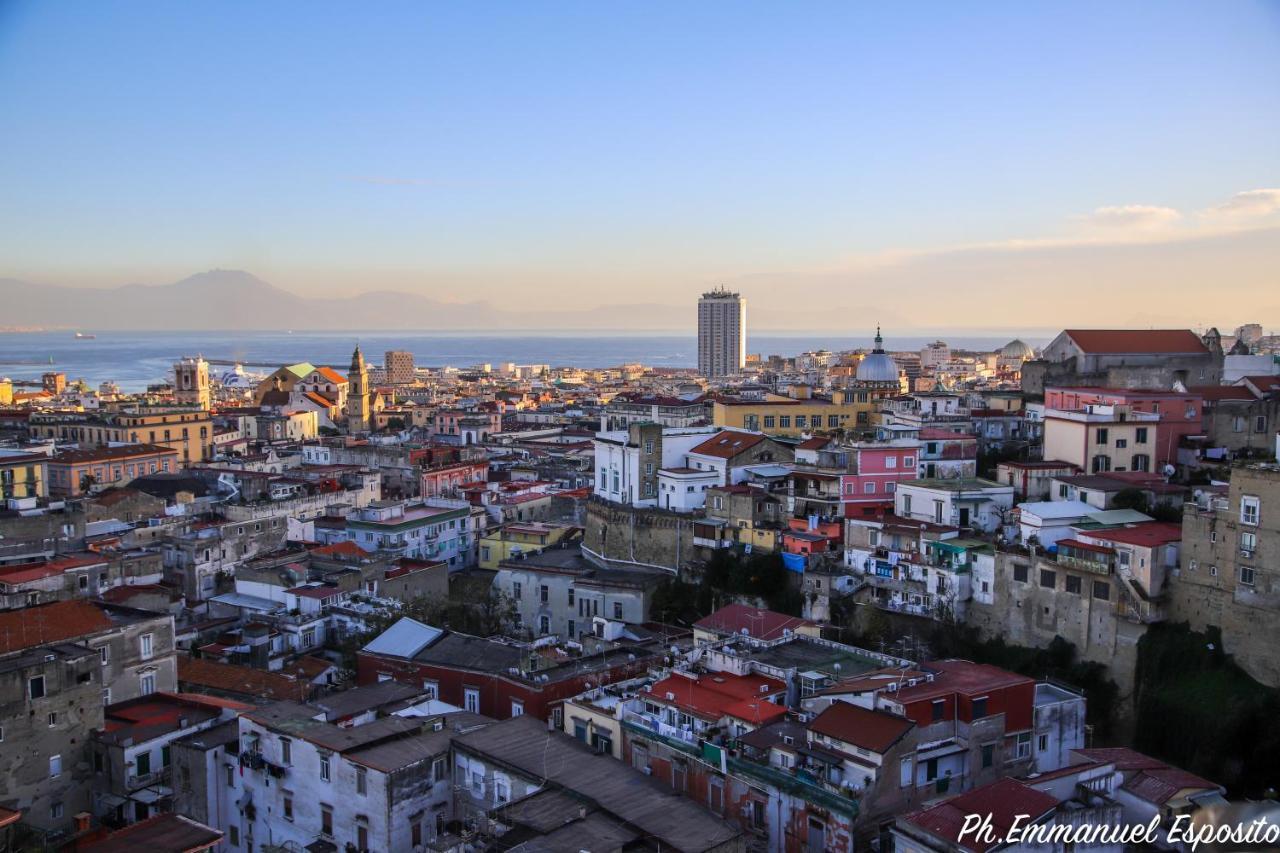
(82, 822)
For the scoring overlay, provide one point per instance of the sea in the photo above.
(134, 360)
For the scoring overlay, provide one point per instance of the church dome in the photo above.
(1017, 349)
(878, 366)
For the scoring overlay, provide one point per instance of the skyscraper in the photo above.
(722, 333)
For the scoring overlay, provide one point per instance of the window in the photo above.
(105, 654)
(1048, 578)
(908, 462)
(142, 765)
(516, 589)
(439, 770)
(570, 596)
(1141, 462)
(939, 709)
(147, 684)
(784, 421)
(617, 610)
(326, 821)
(906, 504)
(1140, 435)
(573, 629)
(229, 775)
(362, 781)
(56, 811)
(1121, 443)
(1072, 584)
(891, 462)
(431, 689)
(471, 699)
(145, 645)
(288, 808)
(988, 754)
(1102, 590)
(517, 708)
(35, 687)
(1024, 745)
(234, 838)
(1043, 744)
(1249, 510)
(1247, 575)
(55, 766)
(904, 773)
(106, 696)
(801, 422)
(544, 624)
(324, 768)
(770, 421)
(1100, 436)
(890, 486)
(1260, 423)
(53, 719)
(544, 593)
(1020, 572)
(978, 708)
(1248, 542)
(869, 489)
(1101, 463)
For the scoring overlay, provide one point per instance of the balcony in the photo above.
(653, 725)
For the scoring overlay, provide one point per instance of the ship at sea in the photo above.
(84, 336)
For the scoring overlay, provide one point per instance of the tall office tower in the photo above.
(191, 382)
(399, 367)
(722, 333)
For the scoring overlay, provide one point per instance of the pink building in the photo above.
(447, 478)
(1179, 412)
(874, 469)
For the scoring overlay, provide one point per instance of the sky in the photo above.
(934, 164)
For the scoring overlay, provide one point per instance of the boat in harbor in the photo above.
(83, 336)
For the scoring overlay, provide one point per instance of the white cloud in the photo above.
(1248, 204)
(1142, 217)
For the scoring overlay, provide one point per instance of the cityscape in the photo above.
(579, 428)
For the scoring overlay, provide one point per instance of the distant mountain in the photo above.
(234, 299)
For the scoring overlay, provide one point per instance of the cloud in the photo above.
(1248, 204)
(1141, 217)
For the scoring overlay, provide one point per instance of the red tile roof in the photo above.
(728, 444)
(716, 695)
(873, 730)
(345, 548)
(1004, 801)
(961, 676)
(742, 619)
(169, 832)
(239, 680)
(1146, 535)
(1125, 341)
(106, 454)
(1148, 778)
(49, 623)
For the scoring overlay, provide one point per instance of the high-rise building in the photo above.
(399, 367)
(191, 382)
(722, 333)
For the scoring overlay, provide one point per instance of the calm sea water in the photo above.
(134, 359)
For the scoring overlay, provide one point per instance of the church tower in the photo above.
(358, 394)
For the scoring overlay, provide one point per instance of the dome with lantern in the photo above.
(878, 366)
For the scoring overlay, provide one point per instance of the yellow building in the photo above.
(511, 540)
(6, 392)
(805, 412)
(24, 475)
(186, 429)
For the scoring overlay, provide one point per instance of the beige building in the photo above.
(186, 429)
(1102, 438)
(1229, 574)
(359, 410)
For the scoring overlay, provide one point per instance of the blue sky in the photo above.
(612, 153)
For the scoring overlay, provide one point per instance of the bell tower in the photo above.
(358, 394)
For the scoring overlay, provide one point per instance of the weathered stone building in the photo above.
(1229, 577)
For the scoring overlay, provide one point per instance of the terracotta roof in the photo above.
(331, 375)
(761, 624)
(239, 680)
(1147, 534)
(873, 730)
(319, 399)
(1222, 392)
(106, 454)
(816, 443)
(170, 832)
(111, 497)
(1004, 801)
(307, 667)
(727, 444)
(716, 695)
(346, 548)
(1125, 341)
(961, 676)
(49, 623)
(1148, 778)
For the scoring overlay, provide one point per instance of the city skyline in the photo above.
(445, 154)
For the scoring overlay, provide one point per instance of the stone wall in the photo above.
(625, 535)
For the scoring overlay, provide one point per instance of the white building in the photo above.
(969, 502)
(722, 333)
(627, 462)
